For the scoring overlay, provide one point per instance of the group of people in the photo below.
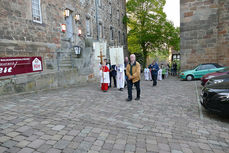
(128, 73)
(110, 72)
(155, 72)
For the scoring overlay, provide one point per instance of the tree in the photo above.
(148, 29)
(171, 36)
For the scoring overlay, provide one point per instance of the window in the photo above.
(118, 16)
(100, 30)
(119, 37)
(217, 65)
(210, 66)
(88, 27)
(111, 33)
(99, 3)
(176, 57)
(82, 2)
(202, 67)
(110, 10)
(36, 11)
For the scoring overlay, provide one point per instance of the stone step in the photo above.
(66, 62)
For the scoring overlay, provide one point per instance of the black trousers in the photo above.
(163, 76)
(130, 86)
(154, 78)
(114, 78)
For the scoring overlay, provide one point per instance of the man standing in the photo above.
(120, 77)
(154, 72)
(113, 74)
(105, 78)
(133, 72)
(174, 68)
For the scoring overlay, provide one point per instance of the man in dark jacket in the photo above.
(154, 72)
(174, 68)
(113, 73)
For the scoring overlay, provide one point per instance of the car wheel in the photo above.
(189, 78)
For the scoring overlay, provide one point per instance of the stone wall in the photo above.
(21, 36)
(223, 32)
(204, 32)
(42, 81)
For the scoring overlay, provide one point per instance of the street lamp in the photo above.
(77, 17)
(66, 13)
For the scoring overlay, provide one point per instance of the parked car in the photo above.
(215, 95)
(208, 76)
(200, 71)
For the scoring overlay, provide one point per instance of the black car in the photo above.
(215, 95)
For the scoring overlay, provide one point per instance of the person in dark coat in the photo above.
(174, 68)
(154, 72)
(113, 74)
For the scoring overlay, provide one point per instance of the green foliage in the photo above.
(125, 20)
(139, 58)
(160, 55)
(148, 30)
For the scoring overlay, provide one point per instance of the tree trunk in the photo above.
(144, 55)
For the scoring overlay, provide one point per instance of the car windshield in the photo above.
(217, 65)
(196, 67)
(223, 70)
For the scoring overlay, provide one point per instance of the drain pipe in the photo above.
(97, 22)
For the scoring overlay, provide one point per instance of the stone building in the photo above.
(204, 32)
(51, 29)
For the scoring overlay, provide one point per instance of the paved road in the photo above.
(167, 119)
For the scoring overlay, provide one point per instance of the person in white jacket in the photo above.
(146, 74)
(159, 77)
(120, 77)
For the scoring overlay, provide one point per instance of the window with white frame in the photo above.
(36, 11)
(88, 27)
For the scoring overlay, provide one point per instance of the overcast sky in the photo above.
(172, 9)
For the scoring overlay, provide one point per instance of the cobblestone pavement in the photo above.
(167, 119)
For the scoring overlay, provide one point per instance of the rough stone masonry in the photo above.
(204, 32)
(33, 28)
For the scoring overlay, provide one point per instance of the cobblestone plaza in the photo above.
(167, 119)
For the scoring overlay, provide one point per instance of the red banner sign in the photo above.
(19, 65)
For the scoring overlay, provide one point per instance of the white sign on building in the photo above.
(36, 64)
